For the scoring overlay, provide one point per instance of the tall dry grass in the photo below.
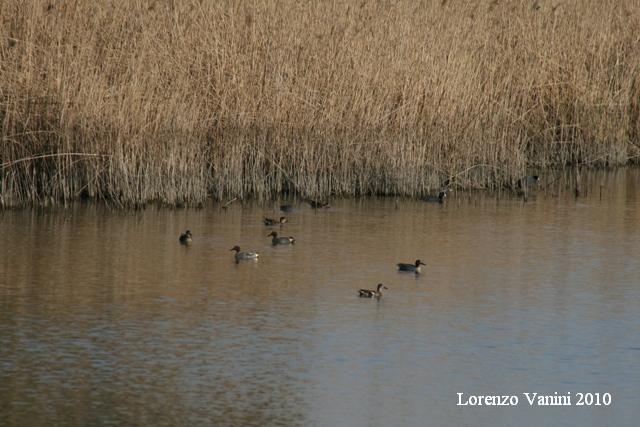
(176, 101)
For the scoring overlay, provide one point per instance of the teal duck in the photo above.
(186, 238)
(368, 293)
(440, 198)
(416, 267)
(318, 205)
(244, 255)
(271, 221)
(275, 240)
(528, 181)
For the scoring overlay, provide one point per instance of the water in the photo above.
(106, 320)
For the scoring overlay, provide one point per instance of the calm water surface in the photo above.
(106, 320)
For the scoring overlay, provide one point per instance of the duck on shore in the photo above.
(270, 221)
(528, 181)
(186, 238)
(369, 293)
(526, 186)
(416, 267)
(275, 240)
(240, 256)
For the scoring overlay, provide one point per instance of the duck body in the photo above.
(442, 195)
(528, 181)
(271, 222)
(369, 293)
(247, 255)
(526, 186)
(275, 240)
(416, 267)
(186, 238)
(318, 205)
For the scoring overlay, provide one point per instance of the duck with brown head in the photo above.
(275, 240)
(242, 256)
(369, 293)
(271, 222)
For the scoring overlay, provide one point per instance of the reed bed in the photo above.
(178, 101)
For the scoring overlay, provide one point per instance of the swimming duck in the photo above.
(415, 267)
(318, 205)
(186, 238)
(368, 293)
(244, 255)
(439, 198)
(286, 208)
(280, 240)
(271, 221)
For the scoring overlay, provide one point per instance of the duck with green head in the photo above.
(416, 267)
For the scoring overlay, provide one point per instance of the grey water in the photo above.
(106, 320)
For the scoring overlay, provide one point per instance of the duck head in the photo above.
(283, 220)
(273, 233)
(419, 263)
(381, 286)
(235, 248)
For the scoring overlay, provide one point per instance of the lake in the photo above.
(105, 319)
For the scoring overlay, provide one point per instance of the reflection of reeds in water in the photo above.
(174, 102)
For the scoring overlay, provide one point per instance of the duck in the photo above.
(186, 238)
(280, 240)
(318, 205)
(368, 293)
(526, 186)
(416, 267)
(271, 221)
(528, 181)
(286, 208)
(244, 255)
(442, 195)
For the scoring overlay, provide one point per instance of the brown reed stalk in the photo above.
(176, 102)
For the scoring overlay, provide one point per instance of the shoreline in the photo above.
(555, 183)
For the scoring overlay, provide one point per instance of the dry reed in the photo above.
(177, 101)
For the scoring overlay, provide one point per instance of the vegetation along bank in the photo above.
(179, 101)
